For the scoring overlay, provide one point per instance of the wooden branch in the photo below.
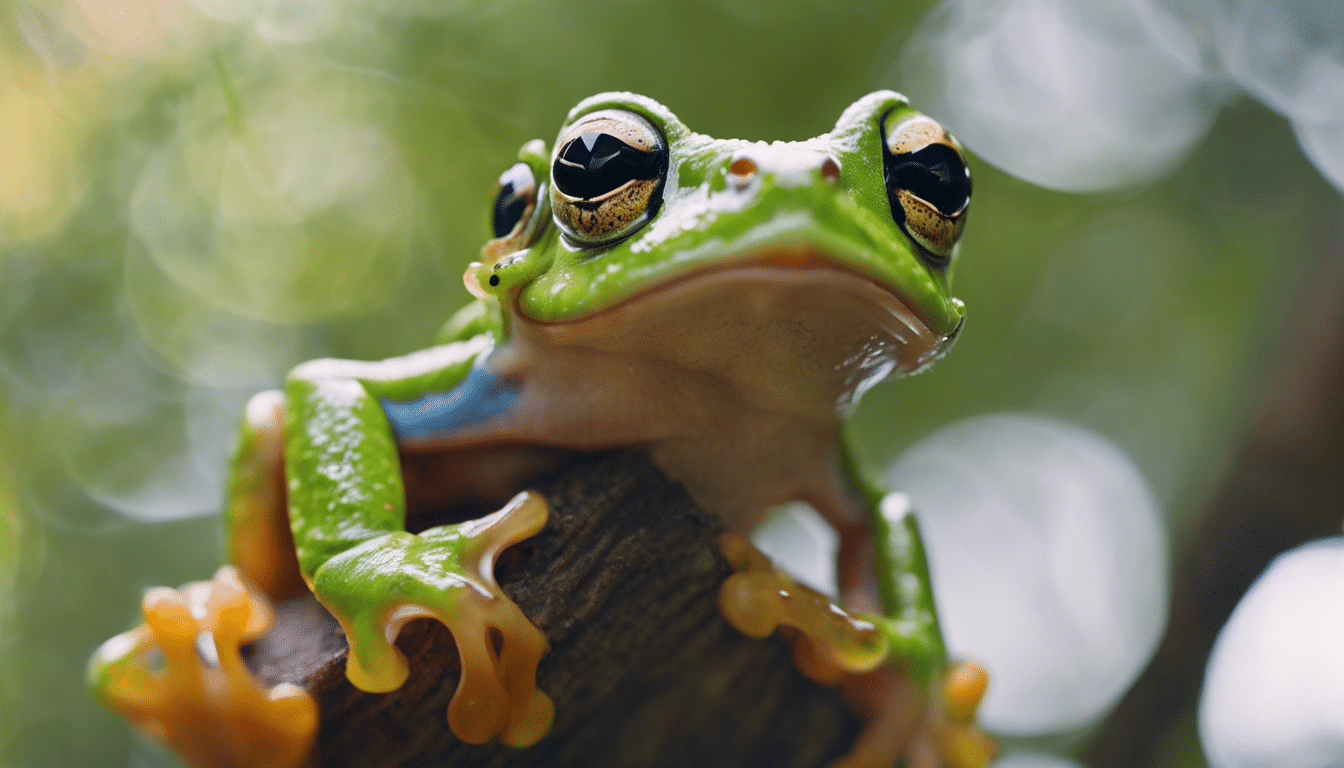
(1284, 487)
(643, 670)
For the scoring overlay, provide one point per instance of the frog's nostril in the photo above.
(830, 170)
(741, 172)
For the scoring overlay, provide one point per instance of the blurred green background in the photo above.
(196, 197)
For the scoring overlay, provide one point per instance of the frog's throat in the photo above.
(916, 346)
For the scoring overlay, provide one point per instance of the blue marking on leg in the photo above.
(481, 396)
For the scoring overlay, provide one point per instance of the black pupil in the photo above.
(595, 163)
(934, 174)
(516, 187)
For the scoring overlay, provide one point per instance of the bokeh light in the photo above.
(1050, 563)
(40, 135)
(1071, 94)
(797, 539)
(1274, 688)
(1091, 95)
(1288, 55)
(277, 197)
(138, 29)
(196, 195)
(1032, 760)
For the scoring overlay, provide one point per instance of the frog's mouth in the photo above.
(790, 326)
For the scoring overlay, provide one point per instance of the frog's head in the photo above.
(835, 251)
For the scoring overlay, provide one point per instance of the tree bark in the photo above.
(642, 668)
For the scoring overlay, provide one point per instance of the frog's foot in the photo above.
(180, 678)
(929, 731)
(833, 646)
(829, 642)
(958, 740)
(447, 573)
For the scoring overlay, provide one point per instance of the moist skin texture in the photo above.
(724, 320)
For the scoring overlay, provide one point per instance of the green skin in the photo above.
(347, 500)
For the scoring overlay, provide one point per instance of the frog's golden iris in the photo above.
(928, 185)
(606, 176)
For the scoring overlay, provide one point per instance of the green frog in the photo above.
(719, 305)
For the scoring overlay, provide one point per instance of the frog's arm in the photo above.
(347, 512)
(345, 492)
(260, 541)
(906, 631)
(909, 621)
(343, 474)
(904, 587)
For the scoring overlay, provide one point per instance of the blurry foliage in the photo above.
(195, 195)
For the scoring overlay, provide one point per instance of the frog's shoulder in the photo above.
(479, 317)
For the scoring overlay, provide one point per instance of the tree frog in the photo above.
(720, 305)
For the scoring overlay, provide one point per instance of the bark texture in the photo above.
(642, 668)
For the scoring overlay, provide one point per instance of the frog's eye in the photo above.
(515, 199)
(607, 176)
(928, 184)
(514, 220)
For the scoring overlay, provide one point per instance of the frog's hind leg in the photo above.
(180, 677)
(894, 559)
(884, 647)
(879, 662)
(260, 541)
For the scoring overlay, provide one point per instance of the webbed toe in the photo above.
(860, 652)
(180, 677)
(447, 573)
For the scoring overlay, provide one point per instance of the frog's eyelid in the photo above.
(649, 110)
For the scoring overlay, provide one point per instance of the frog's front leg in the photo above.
(347, 510)
(945, 733)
